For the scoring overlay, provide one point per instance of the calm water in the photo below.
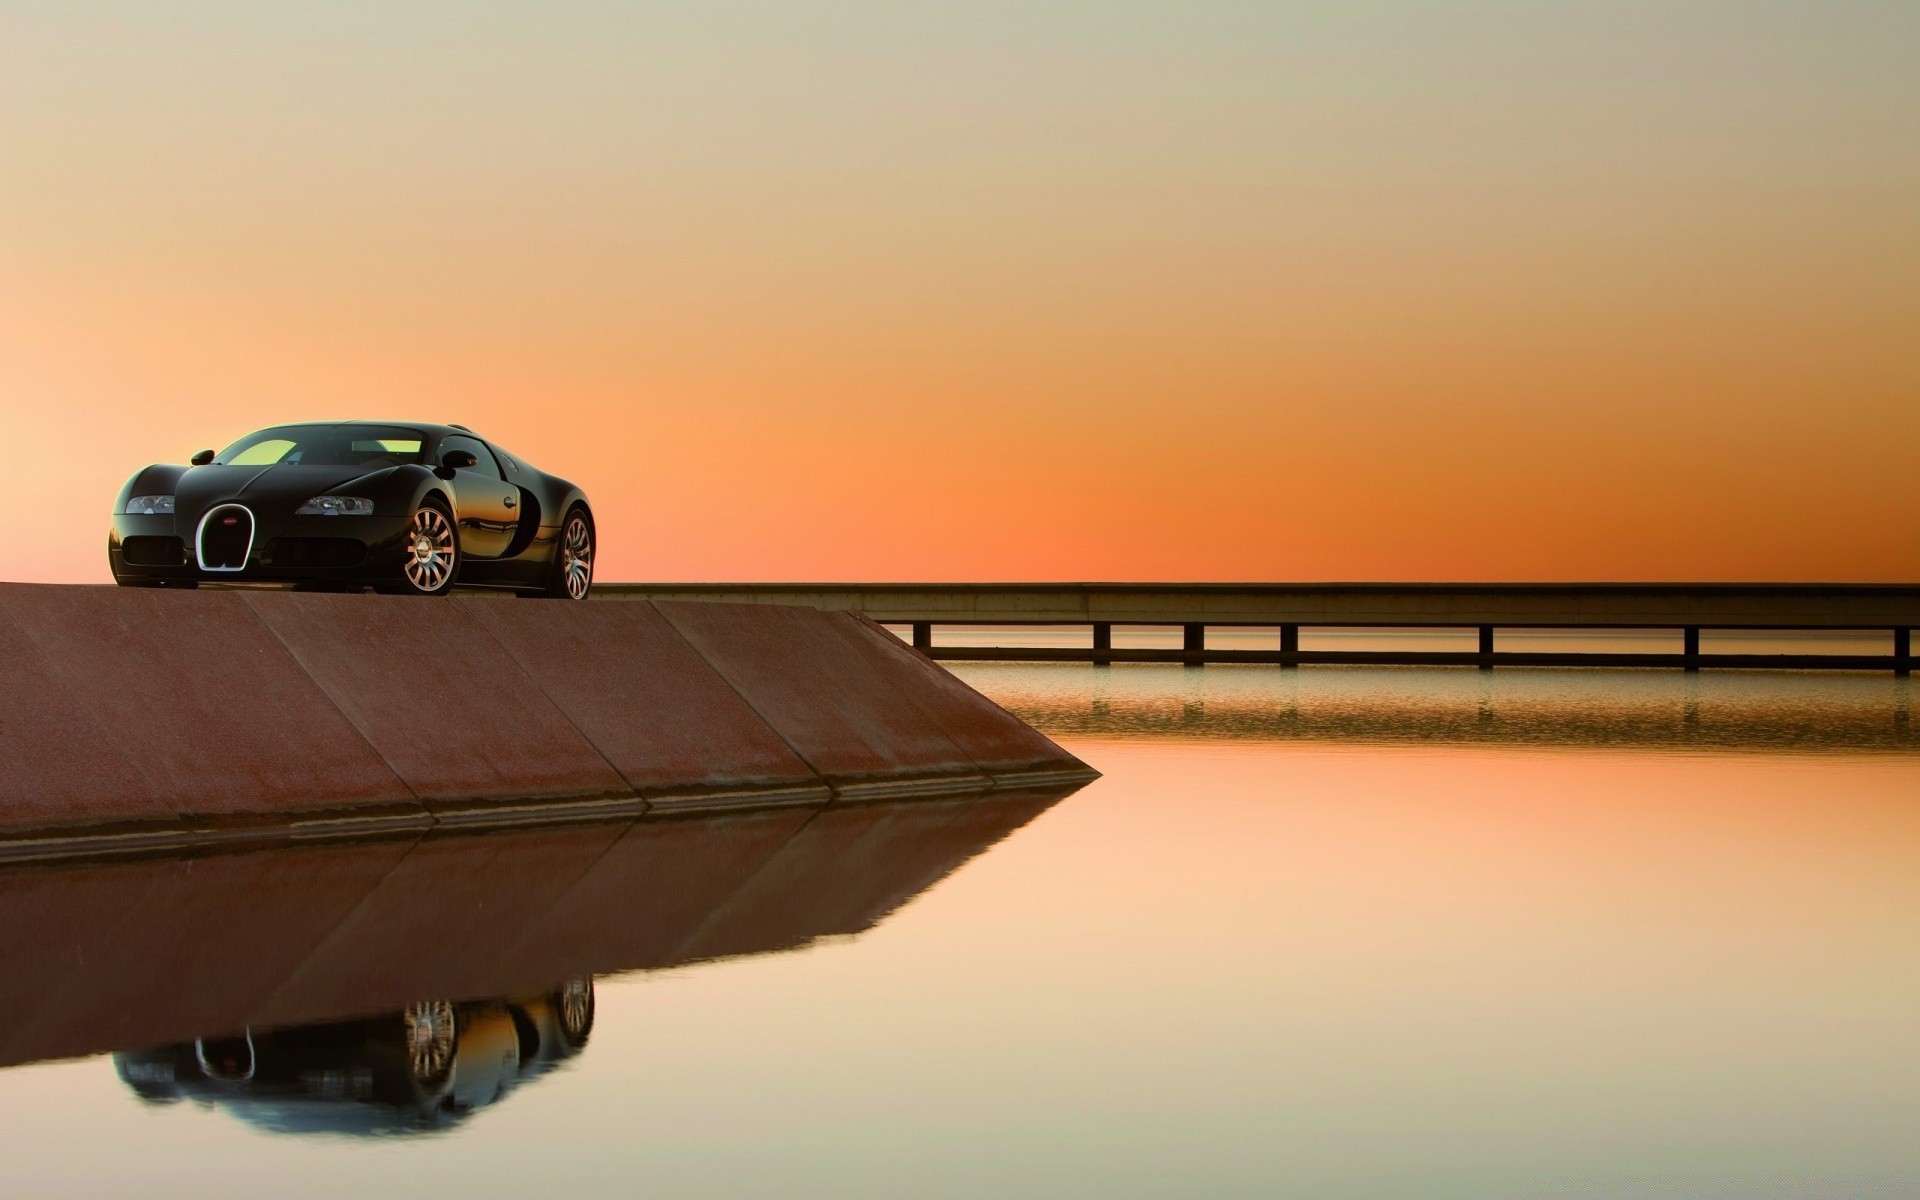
(1320, 933)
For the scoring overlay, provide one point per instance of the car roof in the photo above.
(429, 427)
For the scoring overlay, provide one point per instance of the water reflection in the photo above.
(385, 987)
(421, 1069)
(1646, 709)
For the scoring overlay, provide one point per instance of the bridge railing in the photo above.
(1287, 609)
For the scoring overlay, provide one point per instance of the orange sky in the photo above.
(1010, 291)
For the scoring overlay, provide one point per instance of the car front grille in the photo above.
(226, 536)
(301, 552)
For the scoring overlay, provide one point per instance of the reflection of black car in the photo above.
(423, 1068)
(402, 507)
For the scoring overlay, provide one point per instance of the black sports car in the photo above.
(399, 507)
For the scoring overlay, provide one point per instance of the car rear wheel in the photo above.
(574, 1004)
(572, 575)
(431, 559)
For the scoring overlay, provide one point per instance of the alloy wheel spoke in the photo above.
(430, 560)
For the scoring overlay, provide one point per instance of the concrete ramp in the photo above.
(140, 720)
(654, 707)
(825, 698)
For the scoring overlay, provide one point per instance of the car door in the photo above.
(485, 504)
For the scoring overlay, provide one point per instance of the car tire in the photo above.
(571, 576)
(573, 1011)
(430, 561)
(430, 1038)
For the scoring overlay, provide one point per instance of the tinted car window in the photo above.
(261, 454)
(475, 447)
(368, 446)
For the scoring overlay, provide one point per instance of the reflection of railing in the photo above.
(157, 952)
(1663, 712)
(1287, 609)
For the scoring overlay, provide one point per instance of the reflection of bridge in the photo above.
(142, 953)
(1533, 708)
(1686, 609)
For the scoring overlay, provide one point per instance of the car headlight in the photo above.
(335, 506)
(149, 506)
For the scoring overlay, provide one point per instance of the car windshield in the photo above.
(369, 446)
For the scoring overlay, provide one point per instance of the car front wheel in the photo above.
(431, 558)
(431, 1032)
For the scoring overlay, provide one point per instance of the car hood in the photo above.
(264, 488)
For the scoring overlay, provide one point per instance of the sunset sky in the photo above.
(1196, 290)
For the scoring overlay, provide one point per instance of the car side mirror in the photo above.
(202, 459)
(456, 460)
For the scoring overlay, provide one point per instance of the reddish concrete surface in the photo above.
(218, 716)
(444, 704)
(834, 707)
(648, 702)
(59, 767)
(991, 736)
(140, 719)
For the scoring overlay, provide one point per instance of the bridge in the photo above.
(1487, 609)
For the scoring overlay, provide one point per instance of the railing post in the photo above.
(1102, 640)
(1290, 641)
(923, 636)
(1903, 651)
(1690, 646)
(1486, 646)
(1193, 641)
